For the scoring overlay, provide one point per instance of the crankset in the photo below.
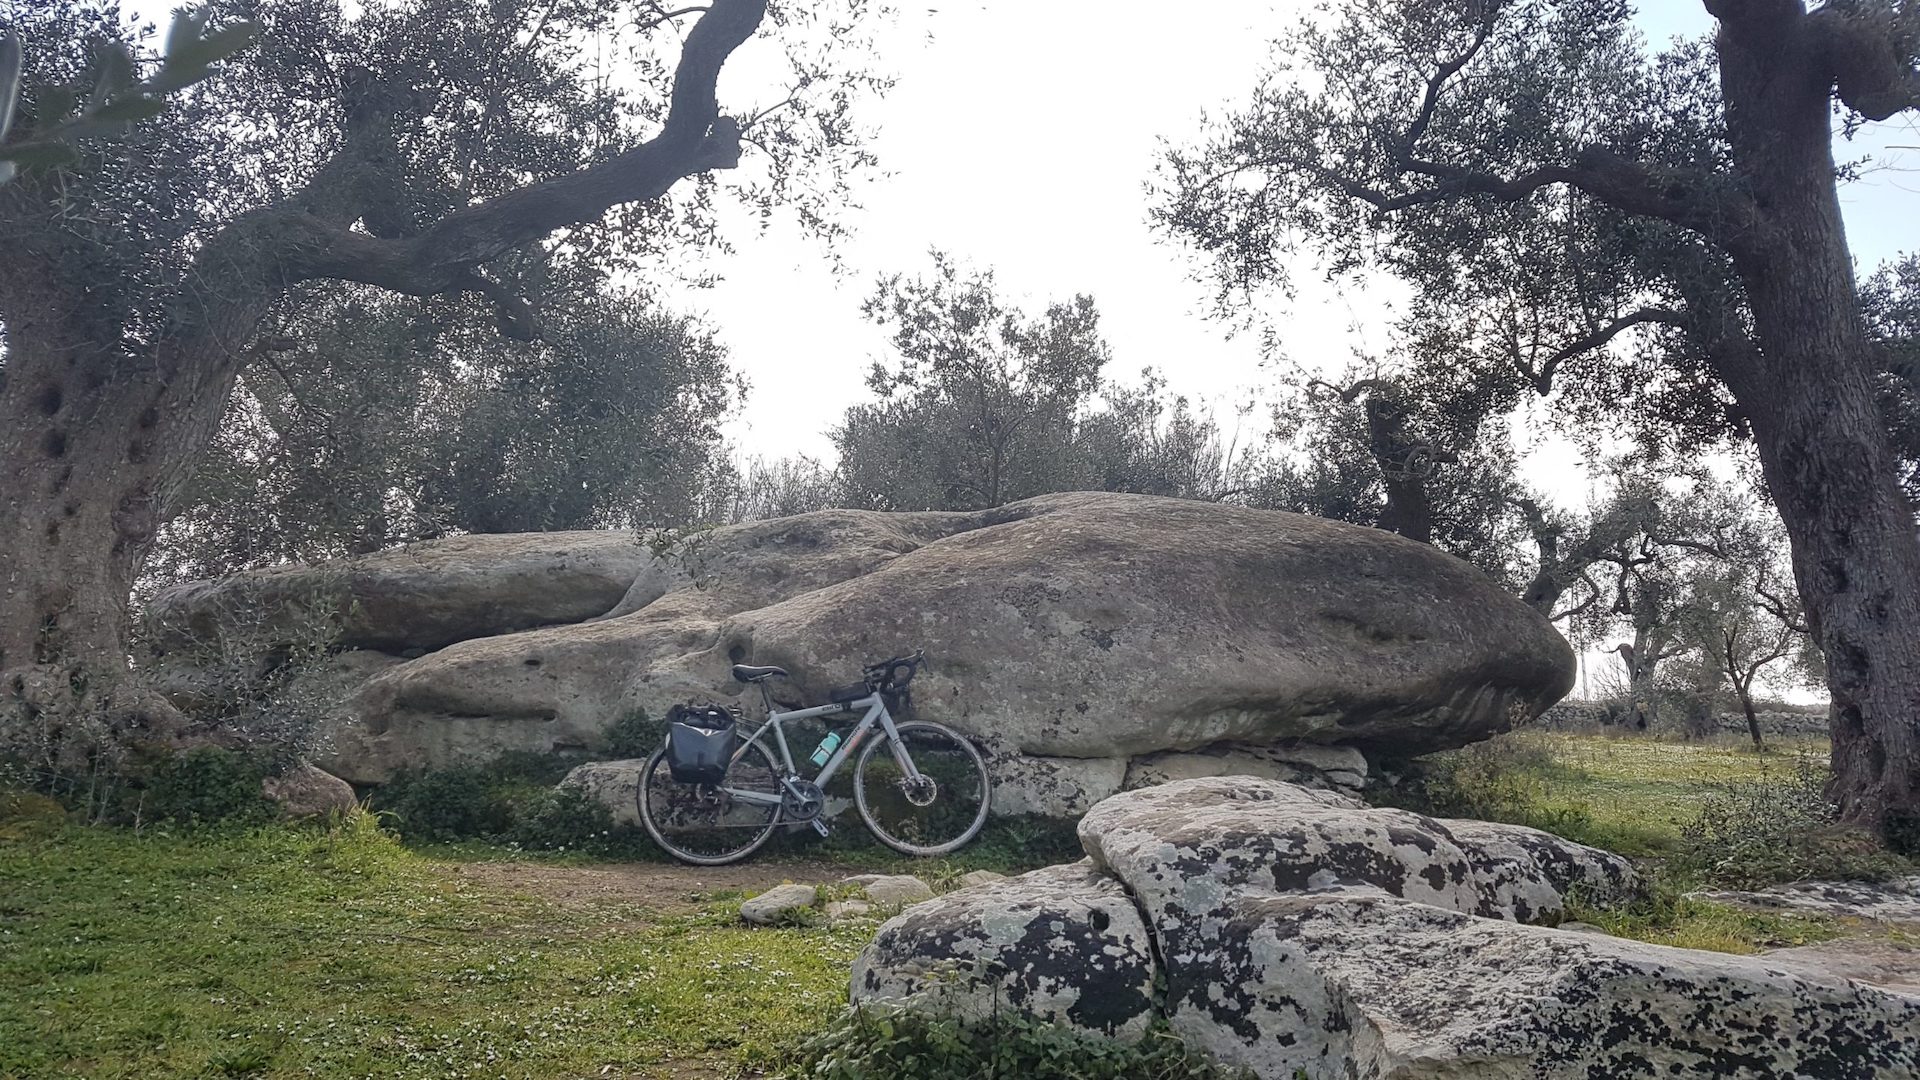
(803, 800)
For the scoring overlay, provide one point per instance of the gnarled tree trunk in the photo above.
(99, 429)
(97, 444)
(1808, 394)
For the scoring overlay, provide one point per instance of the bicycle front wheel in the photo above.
(934, 814)
(711, 824)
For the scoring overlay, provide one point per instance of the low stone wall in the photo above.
(1588, 716)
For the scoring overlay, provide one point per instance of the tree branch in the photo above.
(1543, 378)
(1775, 607)
(516, 317)
(1430, 100)
(1349, 394)
(1860, 53)
(694, 139)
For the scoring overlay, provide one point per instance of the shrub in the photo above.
(204, 786)
(459, 803)
(635, 735)
(878, 1044)
(1778, 829)
(1505, 779)
(560, 818)
(510, 800)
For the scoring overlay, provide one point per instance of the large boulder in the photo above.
(1184, 848)
(1298, 933)
(413, 598)
(1083, 627)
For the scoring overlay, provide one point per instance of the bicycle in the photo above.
(927, 796)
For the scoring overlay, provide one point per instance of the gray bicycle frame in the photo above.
(876, 707)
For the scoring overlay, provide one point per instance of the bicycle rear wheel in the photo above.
(705, 824)
(942, 810)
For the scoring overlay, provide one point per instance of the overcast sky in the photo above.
(1019, 137)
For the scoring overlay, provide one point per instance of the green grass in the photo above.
(306, 952)
(1698, 924)
(1637, 796)
(1639, 792)
(1628, 794)
(290, 952)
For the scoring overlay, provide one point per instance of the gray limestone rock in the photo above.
(1064, 944)
(778, 904)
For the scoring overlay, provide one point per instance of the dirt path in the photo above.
(658, 888)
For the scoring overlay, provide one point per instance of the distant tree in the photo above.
(406, 147)
(1739, 635)
(1378, 452)
(780, 488)
(1684, 203)
(1141, 439)
(371, 419)
(1890, 303)
(978, 406)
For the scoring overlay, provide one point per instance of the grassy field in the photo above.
(284, 952)
(303, 952)
(1632, 795)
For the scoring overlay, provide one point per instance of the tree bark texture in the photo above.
(1808, 393)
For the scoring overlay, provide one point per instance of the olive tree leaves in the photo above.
(117, 98)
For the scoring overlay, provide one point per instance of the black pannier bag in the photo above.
(700, 743)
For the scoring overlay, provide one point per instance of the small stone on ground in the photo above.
(892, 890)
(778, 903)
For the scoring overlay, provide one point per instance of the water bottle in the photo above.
(826, 748)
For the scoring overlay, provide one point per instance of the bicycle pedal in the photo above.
(819, 826)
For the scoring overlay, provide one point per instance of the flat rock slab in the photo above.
(778, 904)
(415, 597)
(1890, 965)
(1347, 986)
(1299, 934)
(1184, 847)
(1896, 901)
(891, 890)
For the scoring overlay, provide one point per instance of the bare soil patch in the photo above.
(653, 888)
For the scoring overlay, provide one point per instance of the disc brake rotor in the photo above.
(920, 792)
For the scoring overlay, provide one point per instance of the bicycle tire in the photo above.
(969, 760)
(656, 775)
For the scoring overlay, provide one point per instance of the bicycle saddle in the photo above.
(750, 673)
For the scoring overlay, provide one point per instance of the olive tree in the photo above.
(1672, 214)
(407, 146)
(978, 406)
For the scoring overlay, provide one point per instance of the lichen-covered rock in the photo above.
(1346, 985)
(1077, 627)
(1064, 944)
(1896, 901)
(1527, 875)
(615, 784)
(1183, 849)
(1201, 839)
(1300, 933)
(1055, 787)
